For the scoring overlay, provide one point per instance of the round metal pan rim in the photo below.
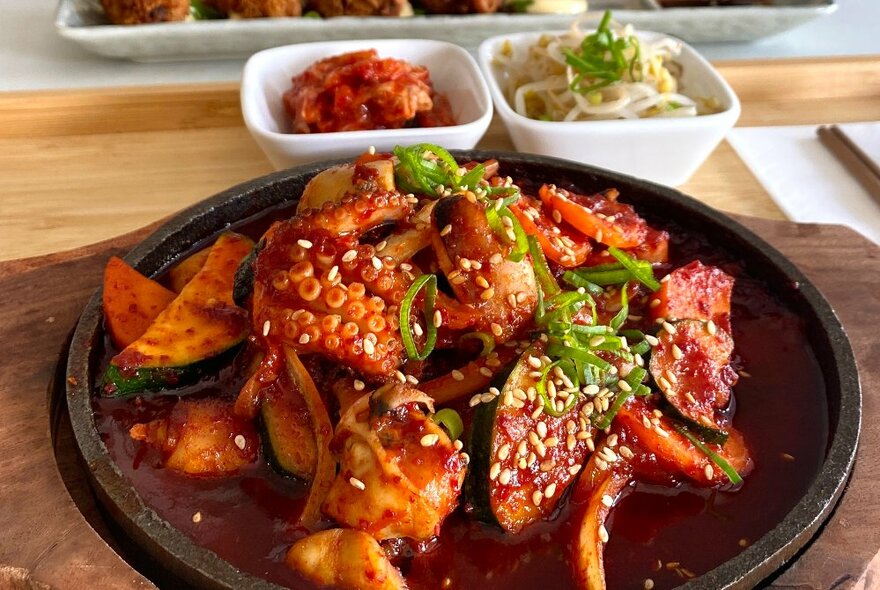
(202, 567)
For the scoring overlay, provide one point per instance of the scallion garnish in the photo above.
(603, 58)
(541, 388)
(548, 284)
(717, 459)
(640, 270)
(620, 317)
(429, 282)
(487, 341)
(450, 420)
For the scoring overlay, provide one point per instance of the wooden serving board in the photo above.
(53, 535)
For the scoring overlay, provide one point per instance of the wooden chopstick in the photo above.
(856, 161)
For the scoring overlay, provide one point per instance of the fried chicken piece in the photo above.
(135, 12)
(461, 6)
(361, 7)
(258, 8)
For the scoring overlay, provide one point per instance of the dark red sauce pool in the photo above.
(781, 408)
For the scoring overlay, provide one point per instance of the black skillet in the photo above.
(203, 568)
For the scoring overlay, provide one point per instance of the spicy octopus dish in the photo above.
(430, 362)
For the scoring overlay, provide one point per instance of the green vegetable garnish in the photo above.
(450, 420)
(487, 341)
(640, 270)
(717, 459)
(430, 284)
(199, 11)
(603, 58)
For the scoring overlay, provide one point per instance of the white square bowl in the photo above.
(664, 150)
(267, 76)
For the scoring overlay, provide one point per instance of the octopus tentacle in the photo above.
(353, 215)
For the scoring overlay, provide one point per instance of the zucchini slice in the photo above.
(286, 428)
(189, 338)
(520, 465)
(243, 284)
(691, 367)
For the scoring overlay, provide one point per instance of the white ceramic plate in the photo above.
(83, 22)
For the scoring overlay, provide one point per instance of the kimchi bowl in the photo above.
(177, 519)
(267, 77)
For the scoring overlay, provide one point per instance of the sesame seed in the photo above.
(676, 352)
(457, 375)
(304, 339)
(537, 412)
(445, 231)
(504, 477)
(400, 376)
(541, 427)
(625, 452)
(711, 327)
(607, 500)
(550, 490)
(624, 386)
(369, 347)
(267, 325)
(474, 400)
(570, 442)
(417, 329)
(652, 340)
(429, 440)
(438, 318)
(334, 272)
(709, 471)
(661, 432)
(240, 441)
(355, 482)
(603, 533)
(496, 258)
(654, 303)
(486, 398)
(504, 452)
(668, 327)
(597, 340)
(377, 264)
(485, 372)
(487, 294)
(411, 379)
(305, 244)
(537, 496)
(197, 517)
(551, 442)
(534, 438)
(557, 216)
(494, 470)
(457, 445)
(649, 584)
(465, 457)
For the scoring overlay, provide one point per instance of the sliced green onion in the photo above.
(541, 388)
(640, 270)
(409, 344)
(486, 339)
(578, 281)
(561, 350)
(450, 420)
(635, 377)
(717, 459)
(605, 277)
(542, 269)
(621, 315)
(519, 243)
(591, 330)
(200, 11)
(640, 347)
(605, 421)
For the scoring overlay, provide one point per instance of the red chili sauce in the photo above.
(359, 91)
(665, 534)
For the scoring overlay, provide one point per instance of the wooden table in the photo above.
(77, 167)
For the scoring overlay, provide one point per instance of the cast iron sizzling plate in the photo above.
(204, 568)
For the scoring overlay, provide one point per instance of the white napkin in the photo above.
(805, 179)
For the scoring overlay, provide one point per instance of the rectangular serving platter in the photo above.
(83, 22)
